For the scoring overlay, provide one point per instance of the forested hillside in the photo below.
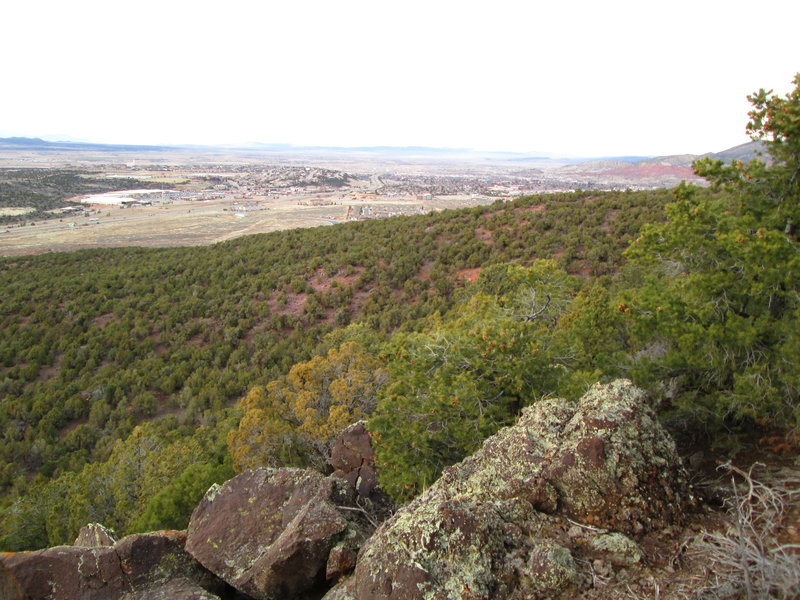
(96, 342)
(132, 379)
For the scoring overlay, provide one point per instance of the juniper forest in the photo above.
(131, 379)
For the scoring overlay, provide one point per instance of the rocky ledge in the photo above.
(523, 518)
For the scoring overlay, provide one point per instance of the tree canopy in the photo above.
(715, 290)
(294, 420)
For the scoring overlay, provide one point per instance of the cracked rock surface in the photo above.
(497, 525)
(270, 533)
(127, 569)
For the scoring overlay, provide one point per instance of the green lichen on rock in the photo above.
(619, 548)
(550, 567)
(494, 525)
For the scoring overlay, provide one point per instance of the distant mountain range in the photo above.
(743, 152)
(40, 145)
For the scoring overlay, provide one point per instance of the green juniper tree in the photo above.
(715, 292)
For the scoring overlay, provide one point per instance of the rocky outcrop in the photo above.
(130, 568)
(10, 588)
(67, 572)
(353, 459)
(277, 533)
(151, 559)
(568, 486)
(497, 524)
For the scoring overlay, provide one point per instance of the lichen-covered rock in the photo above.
(496, 525)
(68, 572)
(343, 590)
(616, 467)
(95, 534)
(269, 532)
(618, 548)
(134, 564)
(150, 559)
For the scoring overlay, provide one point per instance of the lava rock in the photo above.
(269, 532)
(127, 569)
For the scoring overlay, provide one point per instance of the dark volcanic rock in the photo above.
(126, 570)
(9, 586)
(67, 573)
(353, 459)
(148, 559)
(269, 532)
(495, 525)
(95, 534)
(177, 589)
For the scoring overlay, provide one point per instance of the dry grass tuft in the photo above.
(748, 561)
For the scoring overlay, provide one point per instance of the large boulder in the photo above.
(152, 559)
(10, 588)
(270, 533)
(127, 569)
(68, 572)
(496, 525)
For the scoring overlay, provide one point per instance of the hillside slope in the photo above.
(99, 341)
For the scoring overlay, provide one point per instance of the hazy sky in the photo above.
(580, 78)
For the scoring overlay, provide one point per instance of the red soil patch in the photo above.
(359, 300)
(197, 341)
(71, 426)
(537, 208)
(425, 271)
(484, 235)
(293, 306)
(469, 275)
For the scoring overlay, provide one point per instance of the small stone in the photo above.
(574, 531)
(618, 548)
(550, 570)
(600, 567)
(696, 460)
(341, 561)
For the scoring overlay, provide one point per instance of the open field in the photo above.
(10, 211)
(177, 224)
(189, 223)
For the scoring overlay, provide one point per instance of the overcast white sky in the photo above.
(568, 77)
